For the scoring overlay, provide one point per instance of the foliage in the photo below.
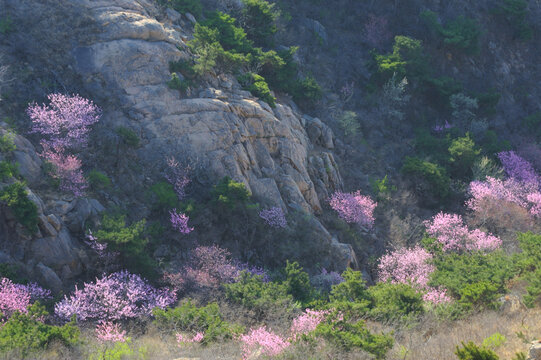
(194, 7)
(528, 262)
(229, 193)
(8, 170)
(463, 154)
(349, 123)
(514, 13)
(439, 89)
(258, 17)
(129, 241)
(484, 168)
(435, 149)
(476, 279)
(185, 67)
(382, 188)
(470, 351)
(127, 136)
(6, 25)
(163, 196)
(351, 295)
(433, 174)
(349, 335)
(532, 123)
(464, 108)
(231, 37)
(395, 301)
(354, 207)
(119, 351)
(7, 143)
(407, 59)
(117, 296)
(306, 91)
(189, 318)
(253, 293)
(257, 86)
(297, 283)
(462, 33)
(15, 196)
(494, 341)
(98, 180)
(27, 334)
(175, 83)
(394, 98)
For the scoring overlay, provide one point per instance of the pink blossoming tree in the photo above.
(17, 297)
(354, 207)
(179, 221)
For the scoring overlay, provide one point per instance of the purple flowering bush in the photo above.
(117, 296)
(274, 217)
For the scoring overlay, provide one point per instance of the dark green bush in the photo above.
(253, 293)
(188, 317)
(514, 13)
(175, 83)
(462, 33)
(529, 264)
(130, 241)
(259, 19)
(127, 136)
(16, 198)
(307, 91)
(470, 351)
(395, 302)
(351, 296)
(433, 174)
(231, 37)
(488, 101)
(8, 170)
(463, 154)
(25, 334)
(347, 334)
(6, 25)
(98, 180)
(438, 90)
(257, 86)
(163, 197)
(477, 279)
(298, 283)
(435, 149)
(185, 67)
(194, 7)
(230, 193)
(492, 144)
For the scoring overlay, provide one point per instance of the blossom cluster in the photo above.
(266, 342)
(183, 339)
(179, 221)
(274, 217)
(354, 207)
(518, 168)
(109, 331)
(17, 297)
(412, 267)
(307, 322)
(450, 231)
(178, 175)
(64, 124)
(120, 295)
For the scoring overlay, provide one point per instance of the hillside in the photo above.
(218, 179)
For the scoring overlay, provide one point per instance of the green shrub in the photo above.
(351, 296)
(15, 196)
(438, 90)
(7, 143)
(229, 193)
(349, 335)
(462, 33)
(130, 241)
(433, 174)
(231, 37)
(163, 197)
(514, 13)
(258, 87)
(463, 154)
(485, 167)
(494, 341)
(477, 279)
(492, 144)
(395, 301)
(349, 123)
(382, 188)
(282, 76)
(435, 149)
(307, 91)
(185, 67)
(127, 136)
(175, 83)
(528, 262)
(8, 170)
(25, 334)
(190, 318)
(488, 101)
(6, 25)
(98, 180)
(259, 19)
(406, 60)
(470, 351)
(253, 293)
(194, 7)
(120, 350)
(531, 124)
(298, 283)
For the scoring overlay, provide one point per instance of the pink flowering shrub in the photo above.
(64, 125)
(307, 322)
(183, 339)
(354, 207)
(109, 331)
(274, 217)
(406, 266)
(209, 266)
(264, 341)
(450, 231)
(179, 221)
(437, 296)
(120, 295)
(17, 297)
(178, 175)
